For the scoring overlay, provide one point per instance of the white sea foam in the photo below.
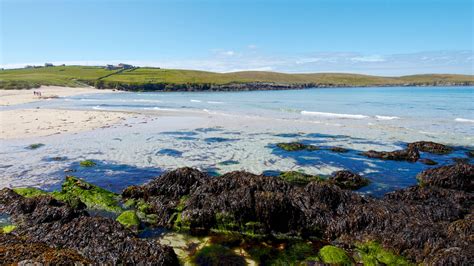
(214, 102)
(334, 115)
(382, 117)
(147, 101)
(195, 101)
(160, 109)
(97, 107)
(464, 120)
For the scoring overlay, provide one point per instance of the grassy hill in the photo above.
(174, 79)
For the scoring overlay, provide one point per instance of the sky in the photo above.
(380, 37)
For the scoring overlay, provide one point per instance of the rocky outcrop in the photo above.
(410, 155)
(348, 180)
(431, 147)
(427, 224)
(14, 249)
(100, 240)
(459, 176)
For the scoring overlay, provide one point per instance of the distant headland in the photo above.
(132, 78)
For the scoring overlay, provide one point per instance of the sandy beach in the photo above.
(12, 97)
(25, 123)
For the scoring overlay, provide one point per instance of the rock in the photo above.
(218, 255)
(372, 253)
(334, 255)
(29, 192)
(348, 180)
(431, 147)
(456, 176)
(100, 240)
(129, 219)
(427, 161)
(296, 146)
(93, 196)
(87, 163)
(14, 250)
(461, 160)
(470, 154)
(410, 155)
(339, 149)
(35, 146)
(299, 178)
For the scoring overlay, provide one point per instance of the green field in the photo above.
(174, 79)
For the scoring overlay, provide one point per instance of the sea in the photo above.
(219, 132)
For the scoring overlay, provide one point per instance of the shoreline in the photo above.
(14, 97)
(30, 122)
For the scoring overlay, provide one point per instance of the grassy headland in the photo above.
(193, 80)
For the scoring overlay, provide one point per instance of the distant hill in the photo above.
(193, 80)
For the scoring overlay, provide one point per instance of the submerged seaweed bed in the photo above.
(187, 216)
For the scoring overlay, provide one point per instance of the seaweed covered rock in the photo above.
(299, 178)
(339, 149)
(93, 196)
(162, 195)
(431, 147)
(14, 249)
(418, 223)
(456, 176)
(100, 240)
(296, 146)
(348, 180)
(409, 154)
(427, 161)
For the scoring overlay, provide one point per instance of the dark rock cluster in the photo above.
(412, 152)
(54, 224)
(430, 224)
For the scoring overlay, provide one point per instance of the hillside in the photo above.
(188, 80)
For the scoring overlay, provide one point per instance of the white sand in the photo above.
(25, 123)
(11, 97)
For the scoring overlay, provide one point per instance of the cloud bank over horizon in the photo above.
(251, 58)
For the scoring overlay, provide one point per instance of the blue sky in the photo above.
(366, 36)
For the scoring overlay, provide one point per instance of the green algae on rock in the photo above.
(334, 255)
(29, 192)
(92, 196)
(217, 255)
(87, 163)
(7, 229)
(296, 146)
(35, 146)
(129, 219)
(372, 253)
(299, 178)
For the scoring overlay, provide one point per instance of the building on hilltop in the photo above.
(125, 66)
(48, 65)
(119, 66)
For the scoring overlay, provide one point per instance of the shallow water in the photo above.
(224, 131)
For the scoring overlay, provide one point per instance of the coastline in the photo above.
(38, 122)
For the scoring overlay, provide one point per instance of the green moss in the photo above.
(87, 163)
(334, 255)
(372, 253)
(294, 254)
(299, 178)
(29, 192)
(296, 146)
(129, 219)
(93, 196)
(226, 222)
(35, 146)
(217, 255)
(8, 229)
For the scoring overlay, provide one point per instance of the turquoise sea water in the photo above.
(224, 131)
